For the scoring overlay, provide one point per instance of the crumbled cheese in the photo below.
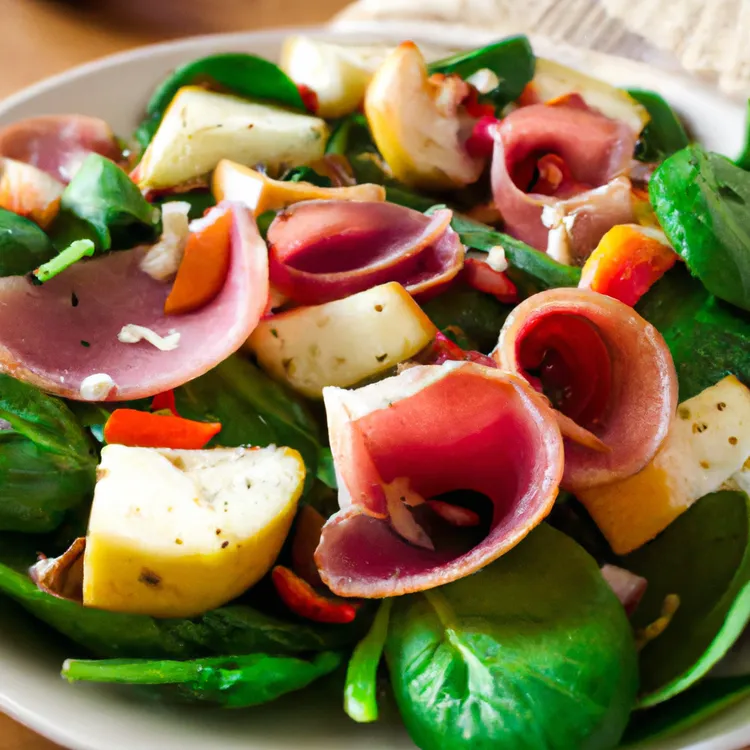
(558, 245)
(198, 225)
(496, 259)
(132, 334)
(484, 80)
(163, 259)
(96, 387)
(552, 216)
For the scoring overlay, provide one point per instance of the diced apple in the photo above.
(174, 533)
(261, 193)
(343, 342)
(200, 128)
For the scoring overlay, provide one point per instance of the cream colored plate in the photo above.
(88, 717)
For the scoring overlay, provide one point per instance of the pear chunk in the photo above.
(200, 128)
(343, 342)
(174, 533)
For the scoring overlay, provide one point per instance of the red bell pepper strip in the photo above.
(481, 276)
(481, 143)
(309, 98)
(165, 401)
(305, 601)
(145, 430)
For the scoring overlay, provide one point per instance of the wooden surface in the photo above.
(42, 38)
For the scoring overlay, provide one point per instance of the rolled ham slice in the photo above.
(593, 149)
(605, 368)
(58, 144)
(325, 250)
(57, 335)
(410, 438)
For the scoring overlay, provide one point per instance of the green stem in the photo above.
(130, 671)
(72, 254)
(360, 699)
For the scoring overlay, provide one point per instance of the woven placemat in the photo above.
(707, 38)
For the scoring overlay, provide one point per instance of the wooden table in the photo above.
(46, 38)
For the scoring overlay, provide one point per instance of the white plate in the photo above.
(88, 717)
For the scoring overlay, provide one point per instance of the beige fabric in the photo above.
(710, 38)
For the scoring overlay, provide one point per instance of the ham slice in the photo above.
(627, 587)
(410, 438)
(57, 335)
(592, 150)
(58, 144)
(605, 368)
(325, 250)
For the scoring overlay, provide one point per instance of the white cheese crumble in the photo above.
(163, 259)
(558, 245)
(484, 80)
(96, 387)
(496, 259)
(132, 334)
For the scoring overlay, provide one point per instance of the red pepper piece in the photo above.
(481, 143)
(309, 98)
(305, 601)
(165, 401)
(474, 108)
(444, 350)
(482, 277)
(145, 430)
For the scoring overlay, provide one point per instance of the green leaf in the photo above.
(238, 73)
(530, 269)
(702, 201)
(360, 691)
(511, 60)
(47, 463)
(252, 409)
(112, 208)
(23, 245)
(232, 629)
(692, 707)
(743, 160)
(664, 134)
(704, 558)
(228, 681)
(326, 469)
(76, 251)
(306, 174)
(480, 316)
(534, 652)
(708, 338)
(200, 201)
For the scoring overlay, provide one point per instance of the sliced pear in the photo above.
(415, 124)
(260, 193)
(200, 128)
(29, 192)
(174, 533)
(552, 80)
(343, 342)
(708, 443)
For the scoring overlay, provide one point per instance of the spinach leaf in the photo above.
(252, 409)
(228, 681)
(688, 709)
(306, 174)
(103, 204)
(664, 134)
(704, 558)
(480, 316)
(531, 270)
(511, 60)
(326, 470)
(702, 201)
(199, 200)
(533, 652)
(232, 629)
(708, 338)
(238, 73)
(23, 245)
(360, 698)
(743, 160)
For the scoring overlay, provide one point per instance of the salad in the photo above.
(429, 374)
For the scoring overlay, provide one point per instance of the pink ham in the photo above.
(58, 144)
(326, 250)
(628, 587)
(595, 150)
(606, 368)
(410, 438)
(56, 335)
